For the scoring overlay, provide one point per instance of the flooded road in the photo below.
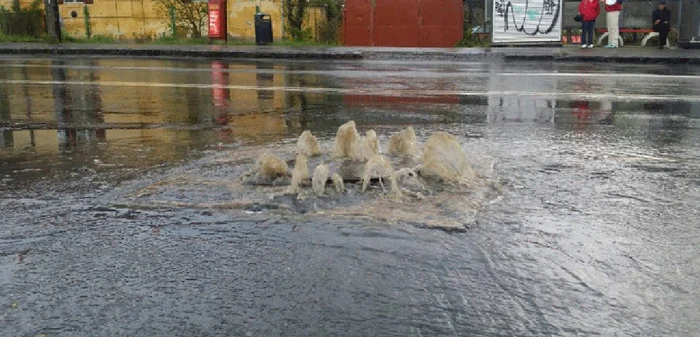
(121, 215)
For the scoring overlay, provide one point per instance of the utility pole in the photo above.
(53, 19)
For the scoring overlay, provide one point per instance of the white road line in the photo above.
(616, 75)
(376, 91)
(234, 69)
(465, 72)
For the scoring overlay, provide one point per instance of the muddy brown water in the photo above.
(122, 213)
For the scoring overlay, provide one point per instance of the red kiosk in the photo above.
(217, 19)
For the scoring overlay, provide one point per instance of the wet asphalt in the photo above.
(113, 173)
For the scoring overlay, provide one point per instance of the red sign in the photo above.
(217, 19)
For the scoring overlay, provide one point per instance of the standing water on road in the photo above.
(131, 204)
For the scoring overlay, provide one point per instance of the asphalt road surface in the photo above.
(122, 211)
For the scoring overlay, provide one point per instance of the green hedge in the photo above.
(18, 21)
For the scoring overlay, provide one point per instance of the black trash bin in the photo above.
(263, 28)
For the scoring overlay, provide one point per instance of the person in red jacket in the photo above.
(589, 10)
(613, 9)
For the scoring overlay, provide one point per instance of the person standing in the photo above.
(613, 9)
(589, 10)
(661, 17)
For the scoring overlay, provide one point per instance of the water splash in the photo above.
(318, 182)
(300, 174)
(370, 145)
(349, 144)
(379, 167)
(308, 145)
(444, 159)
(404, 143)
(412, 197)
(338, 182)
(271, 167)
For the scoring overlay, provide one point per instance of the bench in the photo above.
(649, 33)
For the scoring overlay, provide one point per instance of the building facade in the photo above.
(140, 19)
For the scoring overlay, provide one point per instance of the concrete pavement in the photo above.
(570, 53)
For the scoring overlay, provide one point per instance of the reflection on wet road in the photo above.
(107, 165)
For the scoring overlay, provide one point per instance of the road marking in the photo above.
(466, 72)
(376, 91)
(251, 68)
(616, 75)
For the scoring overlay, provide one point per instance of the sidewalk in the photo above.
(570, 53)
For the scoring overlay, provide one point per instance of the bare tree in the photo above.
(191, 15)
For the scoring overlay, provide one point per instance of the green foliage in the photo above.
(86, 14)
(100, 39)
(22, 38)
(470, 39)
(166, 39)
(328, 31)
(292, 43)
(142, 37)
(93, 39)
(20, 21)
(294, 12)
(301, 34)
(189, 15)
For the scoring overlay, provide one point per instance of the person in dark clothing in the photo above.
(661, 17)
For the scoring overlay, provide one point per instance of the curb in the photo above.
(628, 59)
(151, 52)
(359, 54)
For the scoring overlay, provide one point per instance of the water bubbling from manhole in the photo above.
(437, 188)
(442, 175)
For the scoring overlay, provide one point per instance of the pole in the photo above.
(282, 21)
(471, 11)
(225, 18)
(173, 24)
(53, 20)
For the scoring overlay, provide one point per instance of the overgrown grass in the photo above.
(293, 43)
(22, 39)
(181, 41)
(92, 39)
(163, 40)
(472, 40)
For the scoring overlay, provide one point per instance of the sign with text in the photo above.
(217, 19)
(527, 21)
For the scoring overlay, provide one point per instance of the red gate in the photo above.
(403, 23)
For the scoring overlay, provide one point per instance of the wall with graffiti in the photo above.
(527, 21)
